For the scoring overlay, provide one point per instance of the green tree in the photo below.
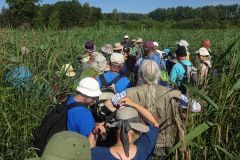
(23, 11)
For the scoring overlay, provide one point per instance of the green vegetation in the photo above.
(212, 134)
(67, 14)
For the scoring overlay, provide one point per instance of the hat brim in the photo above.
(119, 48)
(88, 92)
(136, 126)
(106, 51)
(71, 74)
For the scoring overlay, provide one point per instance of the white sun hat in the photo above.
(155, 44)
(183, 42)
(126, 36)
(203, 52)
(89, 87)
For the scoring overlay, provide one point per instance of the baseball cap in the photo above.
(148, 44)
(203, 52)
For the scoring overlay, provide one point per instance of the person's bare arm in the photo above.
(143, 111)
(109, 105)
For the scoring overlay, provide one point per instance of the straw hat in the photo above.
(68, 70)
(117, 46)
(139, 40)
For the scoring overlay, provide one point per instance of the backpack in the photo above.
(108, 91)
(190, 77)
(55, 121)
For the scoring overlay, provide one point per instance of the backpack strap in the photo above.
(116, 79)
(102, 79)
(75, 104)
(205, 63)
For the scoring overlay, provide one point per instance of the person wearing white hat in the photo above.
(204, 57)
(126, 42)
(116, 62)
(184, 43)
(80, 118)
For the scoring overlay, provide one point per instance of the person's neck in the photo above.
(79, 98)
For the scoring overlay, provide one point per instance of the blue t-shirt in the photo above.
(156, 58)
(80, 119)
(145, 146)
(121, 85)
(178, 71)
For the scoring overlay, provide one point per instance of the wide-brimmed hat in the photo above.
(117, 58)
(68, 146)
(108, 49)
(133, 40)
(100, 62)
(89, 87)
(117, 46)
(131, 115)
(67, 70)
(139, 40)
(183, 42)
(203, 52)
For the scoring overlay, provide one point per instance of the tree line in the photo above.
(66, 14)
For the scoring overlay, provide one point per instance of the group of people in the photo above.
(146, 112)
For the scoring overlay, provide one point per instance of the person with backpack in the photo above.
(80, 118)
(149, 53)
(205, 62)
(166, 104)
(180, 70)
(116, 62)
(110, 82)
(72, 115)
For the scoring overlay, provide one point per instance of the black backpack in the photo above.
(108, 90)
(55, 121)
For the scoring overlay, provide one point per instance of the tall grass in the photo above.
(212, 134)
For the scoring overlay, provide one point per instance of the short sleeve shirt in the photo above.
(121, 85)
(178, 71)
(80, 119)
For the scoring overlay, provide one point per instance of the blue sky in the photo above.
(142, 6)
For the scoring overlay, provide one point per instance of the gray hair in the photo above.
(149, 72)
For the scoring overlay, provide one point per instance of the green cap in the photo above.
(66, 146)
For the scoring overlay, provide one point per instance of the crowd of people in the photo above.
(132, 101)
